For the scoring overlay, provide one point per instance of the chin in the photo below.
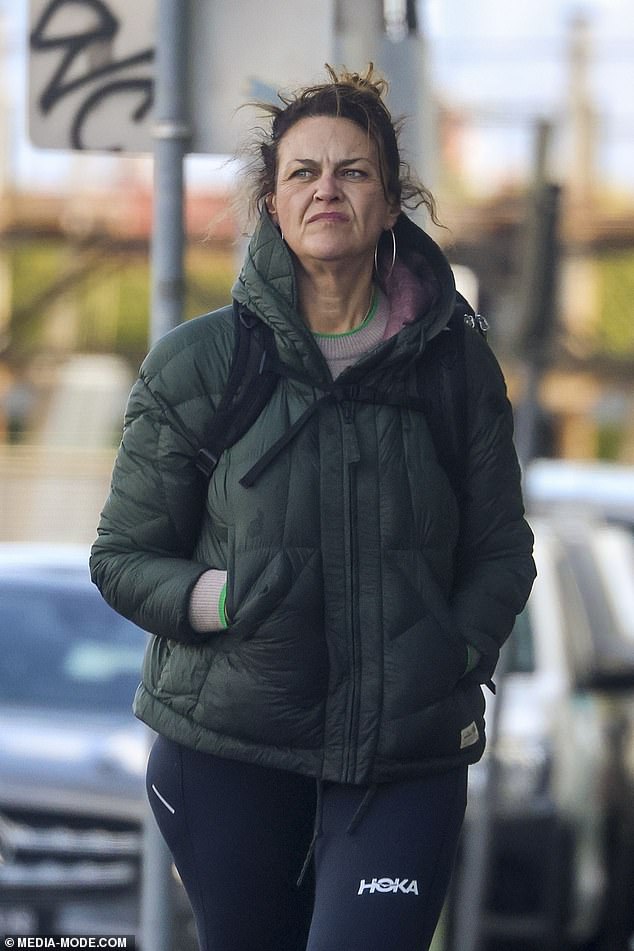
(332, 253)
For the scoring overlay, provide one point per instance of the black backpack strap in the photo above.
(249, 387)
(335, 392)
(442, 387)
(441, 394)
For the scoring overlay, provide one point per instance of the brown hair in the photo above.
(347, 95)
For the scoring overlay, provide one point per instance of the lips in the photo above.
(328, 216)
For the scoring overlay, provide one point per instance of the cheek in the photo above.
(279, 205)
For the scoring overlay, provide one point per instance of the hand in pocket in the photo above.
(262, 598)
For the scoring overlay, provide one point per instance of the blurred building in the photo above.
(74, 305)
(74, 278)
(586, 394)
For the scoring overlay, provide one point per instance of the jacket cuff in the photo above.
(473, 658)
(207, 602)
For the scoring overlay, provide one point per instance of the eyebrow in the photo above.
(350, 161)
(341, 164)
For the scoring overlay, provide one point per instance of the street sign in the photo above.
(91, 74)
(242, 49)
(91, 67)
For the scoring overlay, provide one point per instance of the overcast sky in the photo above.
(505, 62)
(512, 56)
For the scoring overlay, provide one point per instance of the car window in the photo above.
(519, 649)
(615, 563)
(585, 610)
(63, 647)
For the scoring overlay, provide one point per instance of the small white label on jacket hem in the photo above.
(469, 735)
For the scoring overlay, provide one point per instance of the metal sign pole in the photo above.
(171, 139)
(538, 295)
(172, 135)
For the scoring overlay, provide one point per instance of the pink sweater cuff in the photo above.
(206, 601)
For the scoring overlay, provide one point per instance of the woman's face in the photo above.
(329, 201)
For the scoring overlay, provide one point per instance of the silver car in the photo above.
(72, 756)
(558, 794)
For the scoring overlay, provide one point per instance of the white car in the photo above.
(586, 487)
(547, 859)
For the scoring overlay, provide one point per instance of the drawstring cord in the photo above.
(319, 808)
(364, 805)
(355, 822)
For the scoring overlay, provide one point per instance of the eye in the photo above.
(302, 173)
(354, 173)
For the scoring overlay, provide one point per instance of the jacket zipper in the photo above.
(351, 457)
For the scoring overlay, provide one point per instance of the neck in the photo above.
(334, 300)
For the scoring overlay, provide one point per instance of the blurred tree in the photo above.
(98, 292)
(615, 327)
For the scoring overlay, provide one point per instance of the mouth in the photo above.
(328, 216)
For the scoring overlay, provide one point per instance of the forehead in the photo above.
(319, 137)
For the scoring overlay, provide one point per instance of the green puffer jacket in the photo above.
(354, 583)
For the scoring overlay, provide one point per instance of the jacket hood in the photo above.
(267, 287)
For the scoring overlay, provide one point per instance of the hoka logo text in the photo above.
(403, 885)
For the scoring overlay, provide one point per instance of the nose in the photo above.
(327, 187)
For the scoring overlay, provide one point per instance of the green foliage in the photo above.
(211, 272)
(615, 328)
(106, 308)
(131, 311)
(610, 440)
(32, 266)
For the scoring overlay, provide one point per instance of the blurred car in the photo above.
(547, 859)
(72, 756)
(589, 488)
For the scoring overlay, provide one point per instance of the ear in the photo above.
(269, 201)
(392, 216)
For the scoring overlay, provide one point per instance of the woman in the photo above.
(320, 635)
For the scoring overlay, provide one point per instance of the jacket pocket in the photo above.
(261, 599)
(423, 651)
(267, 677)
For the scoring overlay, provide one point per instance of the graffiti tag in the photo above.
(88, 87)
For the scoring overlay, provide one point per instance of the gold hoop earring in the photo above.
(393, 261)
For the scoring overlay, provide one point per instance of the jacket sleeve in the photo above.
(141, 560)
(495, 568)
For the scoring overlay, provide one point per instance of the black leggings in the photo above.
(239, 834)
